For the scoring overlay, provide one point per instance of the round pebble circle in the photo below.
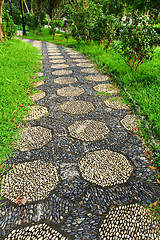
(65, 80)
(129, 222)
(55, 57)
(35, 232)
(72, 53)
(70, 91)
(57, 61)
(37, 96)
(89, 70)
(97, 78)
(88, 130)
(107, 88)
(77, 107)
(60, 66)
(54, 54)
(105, 168)
(32, 180)
(62, 72)
(36, 112)
(40, 74)
(81, 60)
(115, 104)
(50, 50)
(129, 122)
(76, 56)
(34, 138)
(37, 84)
(85, 65)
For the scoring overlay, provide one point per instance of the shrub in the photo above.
(105, 30)
(32, 21)
(15, 11)
(157, 28)
(8, 26)
(84, 16)
(138, 41)
(53, 29)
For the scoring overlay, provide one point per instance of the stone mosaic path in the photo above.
(79, 169)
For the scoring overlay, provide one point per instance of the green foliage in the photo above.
(84, 15)
(15, 11)
(32, 20)
(8, 26)
(52, 29)
(157, 28)
(138, 40)
(105, 29)
(59, 23)
(154, 209)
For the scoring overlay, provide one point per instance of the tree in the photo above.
(138, 41)
(1, 32)
(51, 6)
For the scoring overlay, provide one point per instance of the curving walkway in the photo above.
(79, 170)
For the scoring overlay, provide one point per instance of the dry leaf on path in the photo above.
(158, 181)
(154, 168)
(21, 201)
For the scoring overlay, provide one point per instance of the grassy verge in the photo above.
(18, 64)
(144, 85)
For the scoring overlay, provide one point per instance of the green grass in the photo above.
(18, 64)
(49, 38)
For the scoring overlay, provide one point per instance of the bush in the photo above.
(138, 41)
(8, 26)
(105, 30)
(52, 29)
(32, 21)
(15, 11)
(59, 23)
(84, 18)
(157, 28)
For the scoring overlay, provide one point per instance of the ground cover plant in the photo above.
(143, 84)
(18, 64)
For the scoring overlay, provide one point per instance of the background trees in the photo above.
(89, 18)
(1, 32)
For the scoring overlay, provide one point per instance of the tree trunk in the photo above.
(59, 9)
(39, 14)
(1, 32)
(32, 7)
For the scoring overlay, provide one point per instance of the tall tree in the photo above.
(51, 6)
(1, 32)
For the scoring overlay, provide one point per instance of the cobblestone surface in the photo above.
(81, 168)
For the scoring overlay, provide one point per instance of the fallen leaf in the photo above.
(21, 201)
(151, 162)
(14, 112)
(148, 153)
(11, 119)
(158, 181)
(154, 168)
(155, 203)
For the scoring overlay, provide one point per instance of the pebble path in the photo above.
(78, 164)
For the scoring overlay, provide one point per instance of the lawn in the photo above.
(18, 64)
